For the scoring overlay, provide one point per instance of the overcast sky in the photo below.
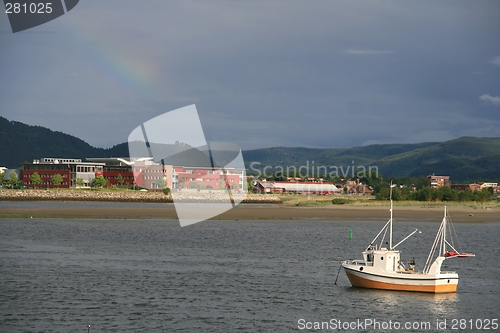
(261, 73)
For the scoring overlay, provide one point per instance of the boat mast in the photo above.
(390, 227)
(438, 241)
(445, 219)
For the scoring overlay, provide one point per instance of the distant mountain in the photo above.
(367, 155)
(460, 169)
(421, 162)
(466, 158)
(22, 143)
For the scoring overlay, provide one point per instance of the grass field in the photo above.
(316, 200)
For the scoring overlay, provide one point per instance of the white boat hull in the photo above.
(367, 277)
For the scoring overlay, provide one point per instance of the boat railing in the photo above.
(358, 262)
(409, 271)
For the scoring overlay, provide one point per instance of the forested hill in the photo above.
(23, 143)
(466, 158)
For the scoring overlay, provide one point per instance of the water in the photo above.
(60, 275)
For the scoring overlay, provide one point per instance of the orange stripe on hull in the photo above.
(357, 281)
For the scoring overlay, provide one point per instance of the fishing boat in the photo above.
(382, 268)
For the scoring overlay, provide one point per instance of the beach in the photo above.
(268, 212)
(138, 205)
(355, 212)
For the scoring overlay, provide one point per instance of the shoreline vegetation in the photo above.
(258, 207)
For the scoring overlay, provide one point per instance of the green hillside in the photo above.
(466, 149)
(327, 156)
(465, 158)
(23, 143)
(464, 169)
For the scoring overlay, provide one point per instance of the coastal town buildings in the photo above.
(312, 186)
(463, 187)
(477, 187)
(322, 188)
(438, 181)
(144, 173)
(356, 187)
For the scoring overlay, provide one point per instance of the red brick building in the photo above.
(112, 174)
(438, 181)
(151, 176)
(208, 178)
(46, 174)
(114, 168)
(70, 169)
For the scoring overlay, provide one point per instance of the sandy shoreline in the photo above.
(262, 207)
(273, 212)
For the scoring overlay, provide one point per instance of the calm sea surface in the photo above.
(61, 275)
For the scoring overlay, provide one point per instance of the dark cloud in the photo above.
(287, 73)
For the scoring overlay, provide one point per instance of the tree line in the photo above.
(443, 193)
(408, 188)
(56, 180)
